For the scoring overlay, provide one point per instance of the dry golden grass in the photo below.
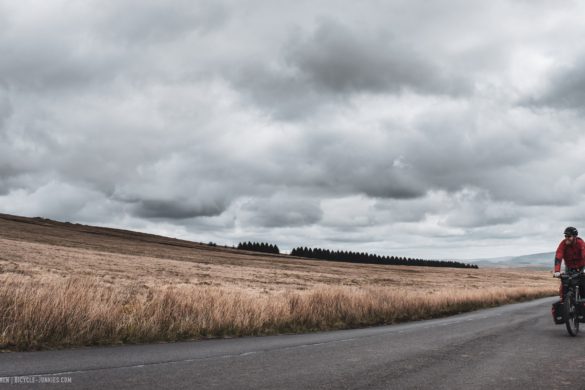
(69, 285)
(72, 312)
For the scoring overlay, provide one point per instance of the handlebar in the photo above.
(571, 278)
(571, 275)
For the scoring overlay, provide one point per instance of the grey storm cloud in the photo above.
(5, 111)
(78, 47)
(473, 208)
(380, 125)
(148, 23)
(313, 69)
(566, 88)
(281, 211)
(175, 209)
(340, 59)
(49, 60)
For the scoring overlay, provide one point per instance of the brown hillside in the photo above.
(36, 246)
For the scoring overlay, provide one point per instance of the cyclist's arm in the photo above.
(559, 256)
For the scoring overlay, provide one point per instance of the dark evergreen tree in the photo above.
(368, 258)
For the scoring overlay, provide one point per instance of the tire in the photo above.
(570, 312)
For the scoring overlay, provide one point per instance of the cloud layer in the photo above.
(442, 130)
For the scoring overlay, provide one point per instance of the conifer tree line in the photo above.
(367, 258)
(259, 247)
(351, 257)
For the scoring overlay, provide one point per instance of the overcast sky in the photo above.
(430, 129)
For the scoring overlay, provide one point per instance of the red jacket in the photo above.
(574, 255)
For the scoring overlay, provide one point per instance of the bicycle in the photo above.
(570, 310)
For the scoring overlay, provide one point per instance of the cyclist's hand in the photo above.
(557, 275)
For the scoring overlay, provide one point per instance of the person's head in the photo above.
(570, 234)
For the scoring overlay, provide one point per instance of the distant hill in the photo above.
(538, 260)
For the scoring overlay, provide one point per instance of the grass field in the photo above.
(69, 285)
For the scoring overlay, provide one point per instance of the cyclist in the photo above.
(572, 250)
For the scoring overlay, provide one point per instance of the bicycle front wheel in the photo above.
(571, 318)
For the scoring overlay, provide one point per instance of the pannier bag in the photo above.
(581, 310)
(558, 313)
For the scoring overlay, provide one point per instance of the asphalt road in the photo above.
(510, 347)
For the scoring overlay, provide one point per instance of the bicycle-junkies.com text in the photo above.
(33, 379)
